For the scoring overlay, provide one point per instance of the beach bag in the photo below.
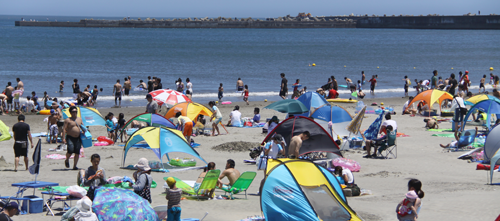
(76, 191)
(146, 191)
(262, 162)
(91, 192)
(356, 191)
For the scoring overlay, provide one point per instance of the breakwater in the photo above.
(430, 22)
(197, 23)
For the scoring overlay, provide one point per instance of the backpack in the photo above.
(146, 191)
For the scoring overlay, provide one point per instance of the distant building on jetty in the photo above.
(303, 20)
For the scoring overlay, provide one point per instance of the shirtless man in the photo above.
(239, 85)
(117, 91)
(296, 144)
(87, 97)
(3, 101)
(142, 85)
(20, 84)
(8, 93)
(231, 174)
(127, 86)
(71, 136)
(363, 77)
(52, 126)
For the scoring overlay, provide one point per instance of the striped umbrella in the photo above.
(355, 124)
(169, 97)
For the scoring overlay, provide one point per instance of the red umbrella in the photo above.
(169, 97)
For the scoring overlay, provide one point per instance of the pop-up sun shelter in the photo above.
(162, 141)
(486, 106)
(491, 149)
(90, 116)
(190, 110)
(339, 117)
(432, 96)
(154, 120)
(301, 190)
(311, 100)
(4, 132)
(320, 140)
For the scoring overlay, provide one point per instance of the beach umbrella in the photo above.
(37, 155)
(481, 97)
(161, 141)
(355, 124)
(169, 97)
(372, 131)
(432, 96)
(289, 106)
(90, 116)
(121, 204)
(486, 106)
(4, 132)
(190, 110)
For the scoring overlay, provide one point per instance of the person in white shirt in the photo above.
(457, 104)
(411, 109)
(29, 105)
(189, 86)
(388, 122)
(345, 174)
(235, 117)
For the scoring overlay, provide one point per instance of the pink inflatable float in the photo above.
(347, 163)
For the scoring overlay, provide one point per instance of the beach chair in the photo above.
(467, 137)
(206, 186)
(389, 147)
(241, 184)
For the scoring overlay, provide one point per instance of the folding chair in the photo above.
(207, 185)
(389, 147)
(241, 184)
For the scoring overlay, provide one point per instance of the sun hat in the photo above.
(411, 195)
(84, 205)
(143, 164)
(171, 181)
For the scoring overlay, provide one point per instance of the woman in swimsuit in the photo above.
(245, 93)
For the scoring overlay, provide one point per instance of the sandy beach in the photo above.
(454, 190)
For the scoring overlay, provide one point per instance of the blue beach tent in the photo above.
(486, 106)
(311, 100)
(301, 190)
(161, 141)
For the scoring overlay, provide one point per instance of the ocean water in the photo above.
(42, 57)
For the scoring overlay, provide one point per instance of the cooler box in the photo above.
(35, 204)
(86, 139)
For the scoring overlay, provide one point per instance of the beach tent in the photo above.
(154, 120)
(338, 116)
(190, 110)
(162, 141)
(320, 140)
(486, 106)
(301, 190)
(311, 100)
(289, 106)
(491, 149)
(90, 116)
(481, 97)
(432, 96)
(4, 132)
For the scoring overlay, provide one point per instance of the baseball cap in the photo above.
(149, 96)
(12, 205)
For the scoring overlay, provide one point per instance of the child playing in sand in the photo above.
(174, 201)
(406, 209)
(221, 92)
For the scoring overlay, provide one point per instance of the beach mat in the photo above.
(444, 135)
(440, 130)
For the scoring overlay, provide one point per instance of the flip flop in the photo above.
(66, 163)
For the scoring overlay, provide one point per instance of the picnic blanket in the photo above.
(444, 135)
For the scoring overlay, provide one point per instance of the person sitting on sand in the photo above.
(272, 124)
(143, 179)
(85, 213)
(235, 117)
(345, 174)
(375, 143)
(256, 116)
(94, 175)
(230, 172)
(456, 144)
(407, 206)
(431, 123)
(332, 93)
(409, 109)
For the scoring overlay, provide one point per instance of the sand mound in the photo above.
(238, 146)
(3, 163)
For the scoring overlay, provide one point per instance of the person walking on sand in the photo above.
(245, 94)
(152, 106)
(239, 85)
(22, 133)
(71, 136)
(220, 95)
(284, 86)
(407, 85)
(216, 117)
(117, 91)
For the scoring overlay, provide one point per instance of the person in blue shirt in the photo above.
(256, 116)
(110, 126)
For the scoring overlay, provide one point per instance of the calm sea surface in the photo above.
(42, 57)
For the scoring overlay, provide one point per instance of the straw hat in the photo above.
(84, 205)
(411, 195)
(143, 164)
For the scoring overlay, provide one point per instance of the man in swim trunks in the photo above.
(22, 133)
(239, 85)
(3, 101)
(127, 86)
(284, 86)
(363, 77)
(231, 173)
(117, 91)
(296, 144)
(71, 136)
(20, 84)
(350, 84)
(8, 93)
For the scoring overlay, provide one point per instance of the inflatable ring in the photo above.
(105, 139)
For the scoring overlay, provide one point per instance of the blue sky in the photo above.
(242, 8)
